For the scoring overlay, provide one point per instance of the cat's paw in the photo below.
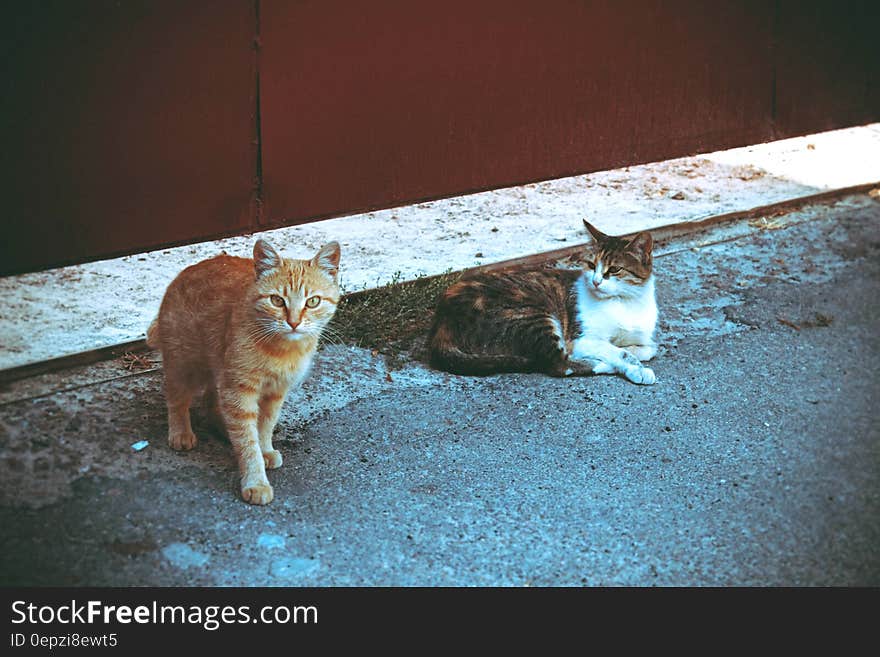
(257, 493)
(603, 368)
(182, 440)
(272, 459)
(643, 352)
(641, 375)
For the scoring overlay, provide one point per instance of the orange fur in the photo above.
(241, 330)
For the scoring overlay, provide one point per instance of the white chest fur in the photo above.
(621, 320)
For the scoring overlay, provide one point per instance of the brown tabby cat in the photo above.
(599, 320)
(243, 331)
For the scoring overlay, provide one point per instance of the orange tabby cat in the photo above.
(244, 331)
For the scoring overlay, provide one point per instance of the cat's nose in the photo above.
(597, 282)
(292, 324)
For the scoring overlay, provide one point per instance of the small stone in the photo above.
(270, 541)
(139, 445)
(183, 556)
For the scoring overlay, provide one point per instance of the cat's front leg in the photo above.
(644, 352)
(604, 358)
(270, 407)
(241, 411)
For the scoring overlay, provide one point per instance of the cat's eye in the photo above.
(612, 270)
(277, 301)
(591, 264)
(312, 302)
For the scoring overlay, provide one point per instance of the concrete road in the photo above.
(755, 459)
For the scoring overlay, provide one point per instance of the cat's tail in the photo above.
(456, 361)
(153, 334)
(445, 354)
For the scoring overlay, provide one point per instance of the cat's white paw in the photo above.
(641, 375)
(603, 368)
(257, 493)
(272, 459)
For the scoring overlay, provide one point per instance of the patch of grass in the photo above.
(132, 361)
(392, 319)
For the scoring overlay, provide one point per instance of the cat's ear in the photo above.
(266, 258)
(597, 234)
(641, 247)
(327, 259)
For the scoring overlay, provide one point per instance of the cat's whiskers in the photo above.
(264, 329)
(329, 335)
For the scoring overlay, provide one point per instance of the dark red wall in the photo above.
(130, 125)
(125, 126)
(827, 62)
(369, 109)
